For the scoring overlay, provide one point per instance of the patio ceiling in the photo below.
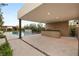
(49, 12)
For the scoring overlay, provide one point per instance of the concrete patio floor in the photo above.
(64, 46)
(22, 49)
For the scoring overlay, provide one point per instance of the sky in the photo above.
(10, 15)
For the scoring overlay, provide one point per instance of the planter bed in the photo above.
(5, 49)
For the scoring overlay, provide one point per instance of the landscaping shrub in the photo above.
(5, 49)
(35, 28)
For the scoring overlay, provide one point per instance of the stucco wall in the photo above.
(78, 32)
(62, 26)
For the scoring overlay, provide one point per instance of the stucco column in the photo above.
(77, 34)
(20, 29)
(78, 39)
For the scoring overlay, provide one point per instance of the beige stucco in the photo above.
(78, 32)
(27, 8)
(49, 12)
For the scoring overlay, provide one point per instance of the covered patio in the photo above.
(56, 17)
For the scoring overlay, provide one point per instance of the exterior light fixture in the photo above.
(48, 13)
(77, 24)
(57, 17)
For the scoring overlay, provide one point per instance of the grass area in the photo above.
(5, 49)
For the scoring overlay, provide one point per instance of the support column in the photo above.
(77, 34)
(20, 29)
(78, 39)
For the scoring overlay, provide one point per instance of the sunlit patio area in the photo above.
(56, 34)
(55, 39)
(54, 46)
(38, 45)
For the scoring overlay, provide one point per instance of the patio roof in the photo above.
(49, 12)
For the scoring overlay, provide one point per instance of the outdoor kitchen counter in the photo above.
(52, 33)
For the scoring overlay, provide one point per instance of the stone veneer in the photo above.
(62, 26)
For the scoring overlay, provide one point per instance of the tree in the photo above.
(1, 21)
(1, 16)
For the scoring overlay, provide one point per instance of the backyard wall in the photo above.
(62, 26)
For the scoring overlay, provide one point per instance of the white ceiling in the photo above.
(53, 12)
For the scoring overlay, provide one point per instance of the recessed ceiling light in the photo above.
(57, 17)
(48, 13)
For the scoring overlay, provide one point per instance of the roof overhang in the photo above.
(49, 12)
